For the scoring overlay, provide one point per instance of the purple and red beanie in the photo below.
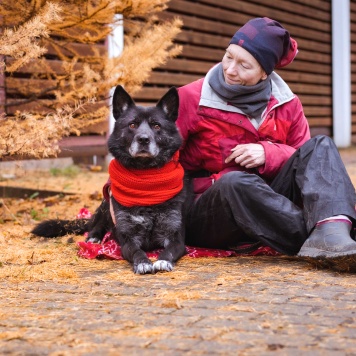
(268, 41)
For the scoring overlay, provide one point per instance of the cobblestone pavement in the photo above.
(206, 306)
(244, 306)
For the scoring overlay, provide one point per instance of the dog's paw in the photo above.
(93, 239)
(143, 268)
(162, 265)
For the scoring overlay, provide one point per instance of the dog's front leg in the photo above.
(172, 252)
(138, 258)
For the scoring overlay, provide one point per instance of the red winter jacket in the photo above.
(211, 127)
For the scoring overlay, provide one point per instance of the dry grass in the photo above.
(24, 257)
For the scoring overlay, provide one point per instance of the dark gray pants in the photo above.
(241, 207)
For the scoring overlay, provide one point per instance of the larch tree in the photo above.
(53, 56)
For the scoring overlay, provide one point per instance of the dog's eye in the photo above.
(132, 125)
(156, 126)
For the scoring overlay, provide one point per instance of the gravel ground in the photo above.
(54, 303)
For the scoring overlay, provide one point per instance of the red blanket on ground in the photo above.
(109, 248)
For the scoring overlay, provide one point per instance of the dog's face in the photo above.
(144, 137)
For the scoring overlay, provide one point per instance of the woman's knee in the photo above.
(318, 145)
(321, 141)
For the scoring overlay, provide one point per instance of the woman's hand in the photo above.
(249, 155)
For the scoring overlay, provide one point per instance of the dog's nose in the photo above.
(143, 139)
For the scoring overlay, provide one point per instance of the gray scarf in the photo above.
(251, 99)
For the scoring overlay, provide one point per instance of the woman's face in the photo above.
(240, 67)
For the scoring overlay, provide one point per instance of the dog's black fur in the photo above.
(143, 137)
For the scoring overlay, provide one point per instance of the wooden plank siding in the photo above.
(13, 97)
(353, 69)
(208, 26)
(18, 84)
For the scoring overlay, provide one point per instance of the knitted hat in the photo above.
(268, 41)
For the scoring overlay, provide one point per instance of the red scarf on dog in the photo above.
(132, 187)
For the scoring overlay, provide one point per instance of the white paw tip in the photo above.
(162, 265)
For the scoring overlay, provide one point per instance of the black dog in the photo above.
(145, 209)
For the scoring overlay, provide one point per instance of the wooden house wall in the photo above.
(13, 96)
(20, 82)
(208, 26)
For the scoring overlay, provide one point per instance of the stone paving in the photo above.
(206, 306)
(244, 306)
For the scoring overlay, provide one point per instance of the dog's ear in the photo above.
(169, 103)
(121, 101)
